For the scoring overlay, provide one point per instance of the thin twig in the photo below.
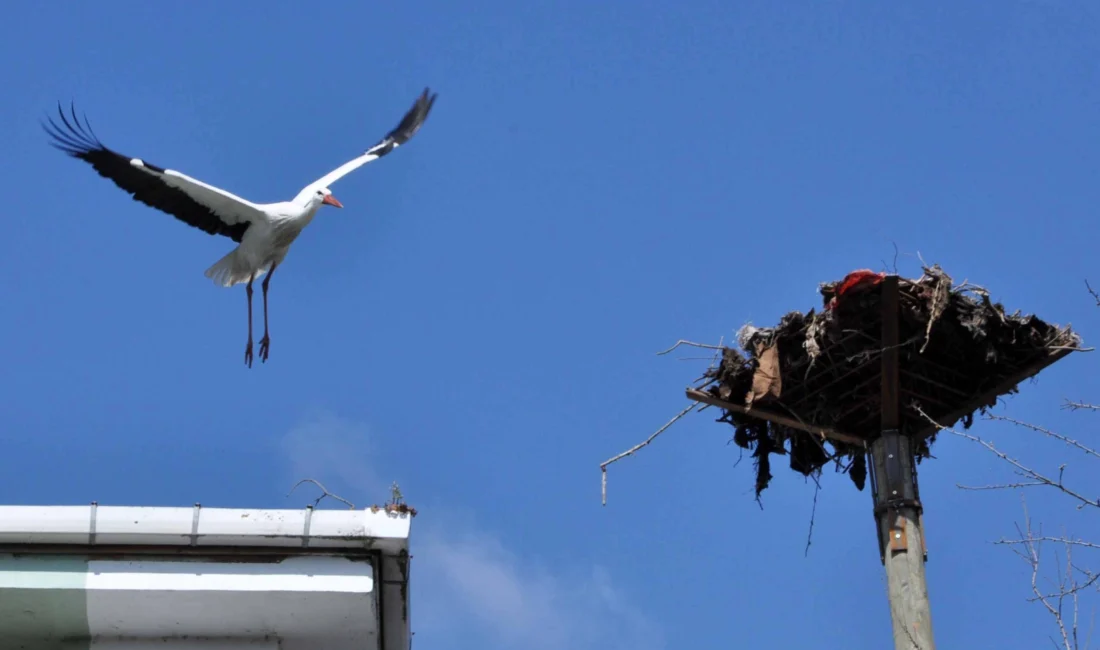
(635, 448)
(1071, 348)
(1069, 587)
(324, 493)
(1046, 538)
(813, 516)
(866, 355)
(717, 353)
(1031, 549)
(1000, 486)
(938, 303)
(1095, 296)
(971, 287)
(1047, 432)
(813, 436)
(691, 343)
(1077, 406)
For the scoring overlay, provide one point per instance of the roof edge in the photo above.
(198, 526)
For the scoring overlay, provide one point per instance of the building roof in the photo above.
(297, 579)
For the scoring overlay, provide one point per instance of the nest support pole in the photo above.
(898, 511)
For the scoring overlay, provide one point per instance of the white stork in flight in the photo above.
(263, 231)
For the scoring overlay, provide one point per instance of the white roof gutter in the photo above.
(94, 525)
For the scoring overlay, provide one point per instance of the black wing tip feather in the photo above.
(409, 125)
(414, 119)
(74, 138)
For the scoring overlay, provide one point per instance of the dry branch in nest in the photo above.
(821, 371)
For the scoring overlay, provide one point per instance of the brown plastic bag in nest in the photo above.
(766, 380)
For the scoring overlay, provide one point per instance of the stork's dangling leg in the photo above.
(248, 347)
(265, 342)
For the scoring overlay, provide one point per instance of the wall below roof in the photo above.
(74, 601)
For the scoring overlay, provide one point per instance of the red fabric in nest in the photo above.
(856, 279)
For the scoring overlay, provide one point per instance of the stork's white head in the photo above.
(324, 196)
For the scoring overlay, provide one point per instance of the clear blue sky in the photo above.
(480, 321)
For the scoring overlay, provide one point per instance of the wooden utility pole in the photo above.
(897, 504)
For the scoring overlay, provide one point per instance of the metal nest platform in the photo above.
(821, 372)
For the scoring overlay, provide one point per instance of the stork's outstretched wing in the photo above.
(193, 202)
(408, 127)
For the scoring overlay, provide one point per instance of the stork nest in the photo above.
(958, 353)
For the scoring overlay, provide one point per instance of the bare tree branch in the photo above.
(1053, 605)
(1059, 597)
(1036, 478)
(324, 493)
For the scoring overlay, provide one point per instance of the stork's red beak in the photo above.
(331, 200)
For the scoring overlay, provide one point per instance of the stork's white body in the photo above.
(265, 243)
